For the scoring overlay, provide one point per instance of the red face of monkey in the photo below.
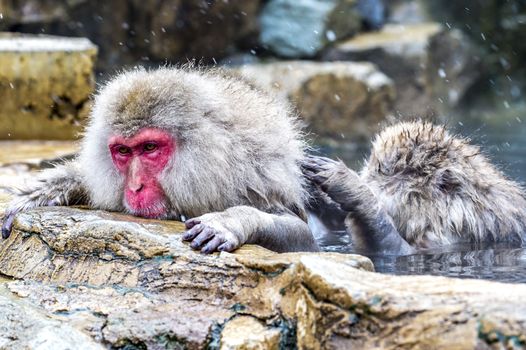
(141, 160)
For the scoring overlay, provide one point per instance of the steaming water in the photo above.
(505, 144)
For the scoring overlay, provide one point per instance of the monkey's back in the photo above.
(439, 189)
(235, 145)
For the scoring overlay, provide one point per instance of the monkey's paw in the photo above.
(7, 223)
(319, 170)
(21, 203)
(209, 235)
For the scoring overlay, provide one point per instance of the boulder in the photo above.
(432, 66)
(373, 13)
(46, 83)
(498, 29)
(302, 28)
(337, 99)
(130, 282)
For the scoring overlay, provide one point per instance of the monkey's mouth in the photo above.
(155, 211)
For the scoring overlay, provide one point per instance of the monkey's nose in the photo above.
(136, 188)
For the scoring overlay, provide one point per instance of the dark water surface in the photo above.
(497, 262)
(502, 136)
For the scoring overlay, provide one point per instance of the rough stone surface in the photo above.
(293, 28)
(132, 282)
(247, 333)
(45, 84)
(431, 66)
(129, 281)
(336, 99)
(24, 326)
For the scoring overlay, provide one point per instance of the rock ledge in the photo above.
(120, 281)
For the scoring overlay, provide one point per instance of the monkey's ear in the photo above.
(448, 182)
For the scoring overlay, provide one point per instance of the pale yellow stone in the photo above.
(395, 37)
(45, 84)
(247, 333)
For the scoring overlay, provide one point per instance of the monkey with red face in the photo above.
(182, 143)
(140, 159)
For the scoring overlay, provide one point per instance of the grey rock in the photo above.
(337, 99)
(407, 12)
(372, 12)
(24, 326)
(301, 28)
(432, 67)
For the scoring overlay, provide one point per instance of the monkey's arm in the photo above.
(373, 229)
(58, 186)
(228, 230)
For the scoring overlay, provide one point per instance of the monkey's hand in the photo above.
(334, 178)
(58, 186)
(374, 230)
(209, 234)
(25, 199)
(230, 229)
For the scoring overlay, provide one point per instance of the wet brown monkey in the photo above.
(422, 187)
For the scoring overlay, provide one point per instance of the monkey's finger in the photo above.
(320, 160)
(191, 222)
(194, 231)
(308, 166)
(212, 245)
(319, 179)
(310, 162)
(202, 238)
(315, 166)
(309, 173)
(52, 203)
(227, 247)
(316, 178)
(7, 226)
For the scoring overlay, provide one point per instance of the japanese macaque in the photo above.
(422, 188)
(180, 143)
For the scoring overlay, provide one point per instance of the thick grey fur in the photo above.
(236, 168)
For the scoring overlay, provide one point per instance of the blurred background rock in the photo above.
(351, 66)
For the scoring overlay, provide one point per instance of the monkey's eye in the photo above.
(149, 147)
(123, 150)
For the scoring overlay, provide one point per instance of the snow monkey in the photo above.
(422, 188)
(180, 143)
